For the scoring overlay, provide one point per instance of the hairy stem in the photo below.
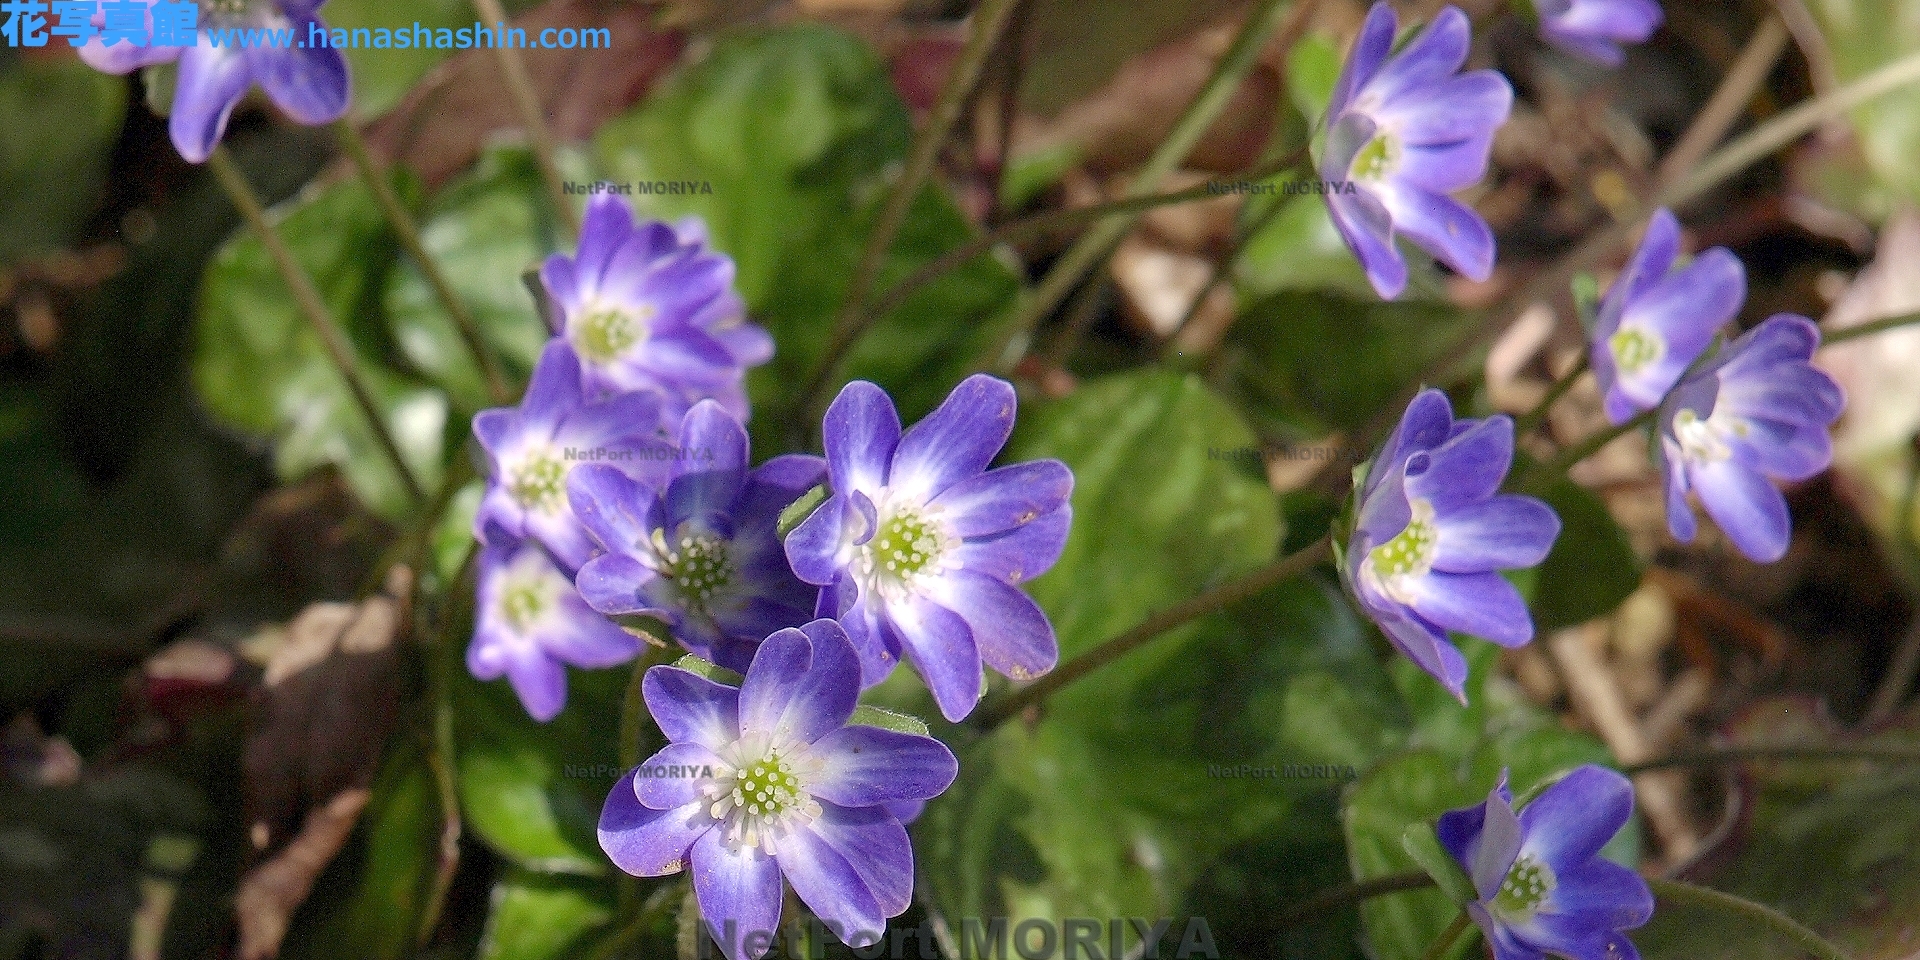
(1324, 903)
(526, 102)
(1869, 329)
(1675, 891)
(307, 299)
(1112, 649)
(408, 231)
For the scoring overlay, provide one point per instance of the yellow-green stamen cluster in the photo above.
(522, 604)
(700, 567)
(539, 482)
(1409, 552)
(761, 795)
(1634, 349)
(1376, 159)
(1527, 886)
(605, 333)
(905, 545)
(767, 787)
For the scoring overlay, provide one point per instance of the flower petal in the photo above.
(1368, 229)
(308, 82)
(1482, 604)
(211, 82)
(861, 430)
(831, 888)
(941, 647)
(1000, 500)
(874, 841)
(1444, 227)
(1746, 506)
(957, 440)
(1009, 629)
(1571, 820)
(584, 638)
(868, 766)
(646, 842)
(1022, 553)
(1369, 52)
(538, 680)
(739, 893)
(1504, 532)
(658, 782)
(1467, 469)
(689, 708)
(715, 469)
(803, 683)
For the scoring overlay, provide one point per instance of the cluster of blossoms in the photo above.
(622, 486)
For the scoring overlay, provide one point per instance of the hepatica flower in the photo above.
(1543, 886)
(785, 788)
(1655, 321)
(1757, 412)
(703, 553)
(533, 447)
(1431, 531)
(920, 545)
(1595, 29)
(1405, 132)
(648, 306)
(530, 623)
(309, 83)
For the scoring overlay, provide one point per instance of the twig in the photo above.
(307, 299)
(1868, 329)
(1532, 418)
(1112, 649)
(408, 232)
(1448, 936)
(1095, 245)
(1713, 121)
(1727, 755)
(1324, 903)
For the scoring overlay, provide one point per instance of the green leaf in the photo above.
(259, 366)
(62, 118)
(794, 129)
(542, 916)
(866, 715)
(1299, 249)
(534, 791)
(1592, 567)
(1305, 364)
(1313, 68)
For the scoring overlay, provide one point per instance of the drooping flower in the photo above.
(530, 623)
(920, 545)
(1755, 413)
(703, 554)
(769, 781)
(1596, 29)
(1543, 887)
(1402, 134)
(307, 80)
(1655, 321)
(1432, 531)
(649, 306)
(532, 448)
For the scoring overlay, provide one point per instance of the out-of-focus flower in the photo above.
(1655, 321)
(1402, 134)
(1757, 412)
(1596, 29)
(1543, 886)
(703, 555)
(533, 447)
(308, 81)
(648, 306)
(530, 623)
(920, 545)
(769, 781)
(1432, 531)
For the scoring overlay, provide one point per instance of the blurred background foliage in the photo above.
(185, 473)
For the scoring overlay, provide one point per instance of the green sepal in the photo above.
(1586, 300)
(866, 715)
(710, 670)
(798, 511)
(1424, 846)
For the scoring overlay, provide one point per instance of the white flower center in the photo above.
(1526, 888)
(539, 480)
(699, 564)
(759, 793)
(1706, 441)
(530, 590)
(1408, 556)
(1377, 160)
(1634, 348)
(911, 544)
(604, 332)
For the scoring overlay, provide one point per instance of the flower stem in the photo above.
(1222, 273)
(1588, 447)
(1805, 754)
(307, 299)
(1097, 243)
(1675, 891)
(513, 71)
(1532, 418)
(408, 231)
(1869, 329)
(1324, 903)
(989, 21)
(1449, 936)
(1114, 648)
(443, 661)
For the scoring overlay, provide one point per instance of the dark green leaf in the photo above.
(61, 118)
(542, 916)
(1592, 567)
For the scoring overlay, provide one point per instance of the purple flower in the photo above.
(1543, 886)
(308, 81)
(533, 447)
(1655, 321)
(648, 306)
(1402, 133)
(1595, 29)
(704, 555)
(530, 622)
(1757, 411)
(920, 545)
(769, 781)
(1431, 532)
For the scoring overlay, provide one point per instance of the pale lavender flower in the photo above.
(1596, 29)
(530, 624)
(1655, 320)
